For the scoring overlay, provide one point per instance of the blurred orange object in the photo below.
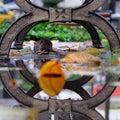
(51, 78)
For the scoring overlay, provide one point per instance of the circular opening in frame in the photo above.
(66, 38)
(61, 28)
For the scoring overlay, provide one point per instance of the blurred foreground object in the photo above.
(51, 78)
(18, 113)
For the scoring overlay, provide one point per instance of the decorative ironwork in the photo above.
(84, 15)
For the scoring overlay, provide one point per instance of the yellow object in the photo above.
(14, 53)
(93, 51)
(5, 14)
(32, 114)
(80, 57)
(51, 78)
(1, 4)
(18, 113)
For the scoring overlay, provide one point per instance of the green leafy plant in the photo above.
(105, 43)
(4, 26)
(58, 32)
(53, 31)
(114, 56)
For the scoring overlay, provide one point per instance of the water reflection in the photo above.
(23, 76)
(19, 74)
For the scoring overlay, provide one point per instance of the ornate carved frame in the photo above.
(84, 15)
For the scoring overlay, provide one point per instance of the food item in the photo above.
(65, 47)
(14, 53)
(81, 70)
(93, 51)
(77, 68)
(80, 57)
(51, 78)
(71, 47)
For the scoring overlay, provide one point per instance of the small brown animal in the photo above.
(44, 46)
